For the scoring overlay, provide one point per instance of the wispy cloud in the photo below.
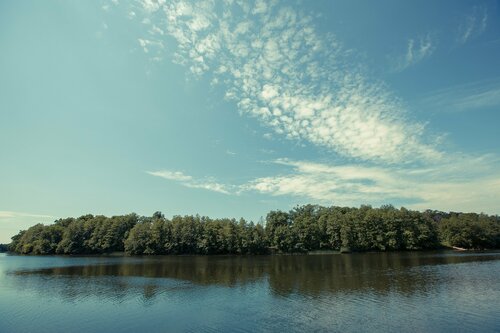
(13, 221)
(449, 187)
(474, 24)
(302, 84)
(7, 214)
(416, 51)
(462, 183)
(466, 97)
(188, 181)
(171, 175)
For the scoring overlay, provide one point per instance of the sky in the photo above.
(235, 108)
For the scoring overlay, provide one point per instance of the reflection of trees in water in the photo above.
(382, 273)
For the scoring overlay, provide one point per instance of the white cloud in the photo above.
(416, 51)
(301, 84)
(152, 5)
(188, 181)
(305, 86)
(474, 24)
(210, 186)
(147, 44)
(7, 214)
(463, 184)
(171, 175)
(260, 7)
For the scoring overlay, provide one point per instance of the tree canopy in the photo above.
(302, 229)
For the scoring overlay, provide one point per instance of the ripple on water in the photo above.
(408, 292)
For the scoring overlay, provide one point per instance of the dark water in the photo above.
(383, 292)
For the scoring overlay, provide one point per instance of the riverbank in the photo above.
(309, 253)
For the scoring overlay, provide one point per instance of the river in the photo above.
(442, 291)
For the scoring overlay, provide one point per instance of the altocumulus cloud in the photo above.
(276, 67)
(304, 85)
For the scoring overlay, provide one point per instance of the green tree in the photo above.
(276, 219)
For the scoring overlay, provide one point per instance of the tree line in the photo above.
(302, 229)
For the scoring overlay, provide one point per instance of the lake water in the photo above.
(383, 292)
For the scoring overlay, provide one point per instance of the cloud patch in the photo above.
(474, 24)
(416, 50)
(447, 188)
(303, 85)
(7, 214)
(188, 181)
(462, 183)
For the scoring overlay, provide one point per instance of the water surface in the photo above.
(395, 292)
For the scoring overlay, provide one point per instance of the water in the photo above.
(384, 292)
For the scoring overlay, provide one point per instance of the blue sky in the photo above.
(235, 108)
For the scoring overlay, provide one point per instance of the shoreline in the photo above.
(310, 253)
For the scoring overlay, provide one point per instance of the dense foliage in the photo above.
(195, 235)
(4, 247)
(476, 231)
(87, 234)
(303, 229)
(309, 228)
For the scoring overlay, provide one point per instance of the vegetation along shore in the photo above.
(303, 229)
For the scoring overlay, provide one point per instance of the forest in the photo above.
(303, 229)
